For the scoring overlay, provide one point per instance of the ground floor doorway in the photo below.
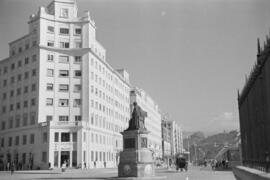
(65, 157)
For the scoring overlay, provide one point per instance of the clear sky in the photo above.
(191, 56)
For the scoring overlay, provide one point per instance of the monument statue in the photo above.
(136, 159)
(137, 118)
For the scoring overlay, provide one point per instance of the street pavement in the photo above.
(194, 173)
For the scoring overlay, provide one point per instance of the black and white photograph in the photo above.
(135, 89)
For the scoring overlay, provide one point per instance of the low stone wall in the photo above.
(245, 173)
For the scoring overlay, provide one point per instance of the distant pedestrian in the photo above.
(104, 164)
(8, 166)
(95, 164)
(12, 168)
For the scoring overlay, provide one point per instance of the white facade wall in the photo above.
(176, 138)
(87, 110)
(152, 121)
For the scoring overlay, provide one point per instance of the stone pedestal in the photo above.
(136, 159)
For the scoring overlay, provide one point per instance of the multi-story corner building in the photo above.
(152, 121)
(176, 136)
(61, 101)
(166, 143)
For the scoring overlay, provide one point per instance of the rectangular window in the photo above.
(18, 105)
(78, 73)
(18, 91)
(63, 118)
(3, 109)
(2, 142)
(45, 137)
(33, 102)
(50, 57)
(56, 137)
(12, 66)
(4, 96)
(63, 59)
(77, 102)
(26, 46)
(50, 72)
(19, 77)
(10, 141)
(64, 31)
(49, 118)
(63, 87)
(3, 127)
(25, 104)
(49, 101)
(18, 121)
(24, 139)
(10, 123)
(26, 75)
(32, 138)
(33, 118)
(77, 59)
(64, 13)
(77, 87)
(34, 58)
(19, 63)
(78, 118)
(26, 60)
(33, 87)
(17, 140)
(63, 73)
(78, 31)
(49, 87)
(50, 29)
(65, 137)
(64, 44)
(25, 90)
(11, 107)
(63, 102)
(25, 119)
(5, 83)
(44, 157)
(34, 42)
(34, 72)
(50, 43)
(12, 80)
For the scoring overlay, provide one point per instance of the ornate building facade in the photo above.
(254, 105)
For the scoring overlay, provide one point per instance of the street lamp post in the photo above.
(195, 150)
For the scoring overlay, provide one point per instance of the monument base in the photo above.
(137, 178)
(136, 170)
(136, 160)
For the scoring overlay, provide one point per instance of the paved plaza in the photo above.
(194, 173)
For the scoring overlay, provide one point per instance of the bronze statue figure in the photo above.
(137, 120)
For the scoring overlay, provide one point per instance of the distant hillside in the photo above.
(201, 147)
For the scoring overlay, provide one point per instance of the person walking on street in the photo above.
(12, 168)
